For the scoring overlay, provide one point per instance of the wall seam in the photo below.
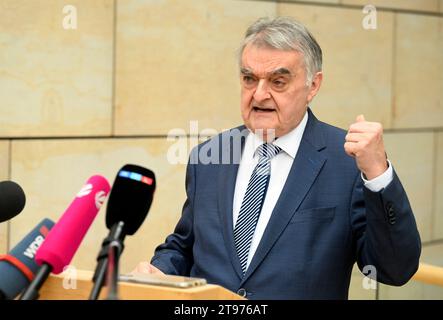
(114, 63)
(431, 243)
(394, 70)
(341, 5)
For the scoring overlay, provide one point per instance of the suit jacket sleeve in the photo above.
(175, 255)
(385, 232)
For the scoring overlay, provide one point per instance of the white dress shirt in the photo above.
(280, 167)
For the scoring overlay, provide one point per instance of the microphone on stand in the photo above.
(128, 204)
(65, 237)
(18, 267)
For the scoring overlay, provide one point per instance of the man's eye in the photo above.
(248, 79)
(279, 83)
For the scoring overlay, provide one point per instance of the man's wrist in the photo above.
(381, 181)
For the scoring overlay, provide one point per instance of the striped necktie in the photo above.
(253, 201)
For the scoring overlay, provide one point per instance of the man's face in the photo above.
(274, 94)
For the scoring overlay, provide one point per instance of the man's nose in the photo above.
(262, 91)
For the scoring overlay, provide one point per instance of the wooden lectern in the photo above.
(54, 289)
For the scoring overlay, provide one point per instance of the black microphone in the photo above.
(128, 205)
(12, 200)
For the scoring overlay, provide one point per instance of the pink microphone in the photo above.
(65, 237)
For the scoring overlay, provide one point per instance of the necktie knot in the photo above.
(268, 150)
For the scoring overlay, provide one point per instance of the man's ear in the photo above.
(315, 85)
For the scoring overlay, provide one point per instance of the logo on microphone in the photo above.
(135, 176)
(100, 198)
(31, 250)
(85, 190)
(44, 231)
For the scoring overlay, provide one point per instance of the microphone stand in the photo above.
(112, 271)
(116, 234)
(31, 292)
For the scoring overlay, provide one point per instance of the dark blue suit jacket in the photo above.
(324, 221)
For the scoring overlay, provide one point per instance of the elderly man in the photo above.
(289, 215)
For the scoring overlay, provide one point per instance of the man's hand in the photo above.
(146, 267)
(364, 142)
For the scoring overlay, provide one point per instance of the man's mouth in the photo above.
(263, 109)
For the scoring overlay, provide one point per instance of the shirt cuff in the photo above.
(380, 182)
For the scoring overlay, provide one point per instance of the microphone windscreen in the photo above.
(66, 236)
(130, 197)
(12, 200)
(18, 267)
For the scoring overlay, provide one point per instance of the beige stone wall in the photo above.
(87, 101)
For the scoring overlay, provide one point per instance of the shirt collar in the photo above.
(289, 143)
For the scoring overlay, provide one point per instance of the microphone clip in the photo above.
(115, 238)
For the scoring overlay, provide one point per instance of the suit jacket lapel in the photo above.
(307, 165)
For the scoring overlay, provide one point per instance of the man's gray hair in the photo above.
(286, 33)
